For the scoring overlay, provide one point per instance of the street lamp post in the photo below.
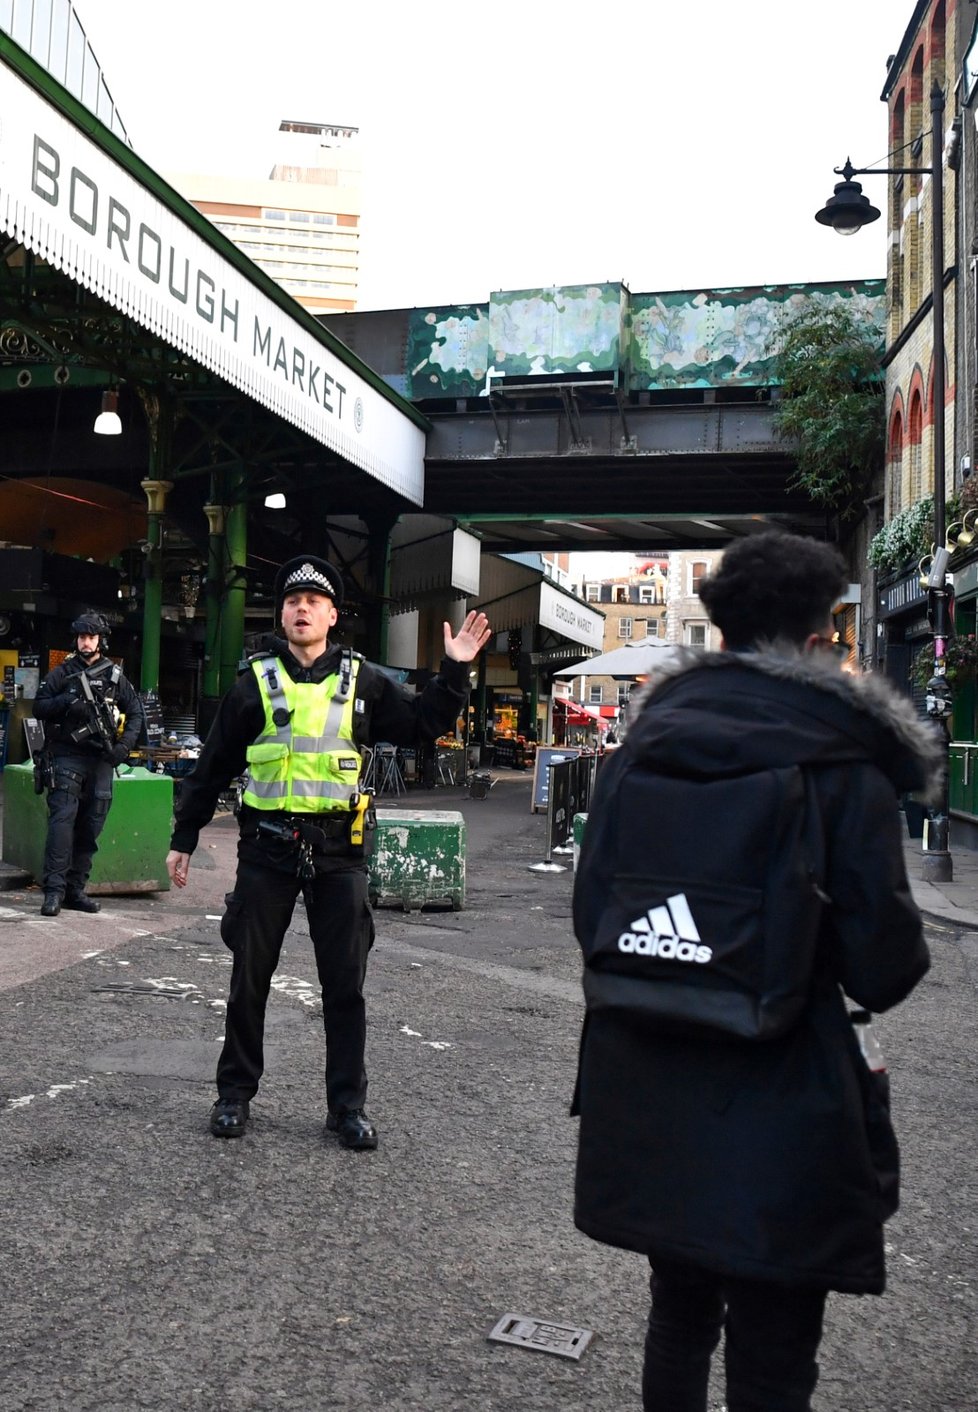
(847, 211)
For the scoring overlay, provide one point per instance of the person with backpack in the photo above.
(741, 880)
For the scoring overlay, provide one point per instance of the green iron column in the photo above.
(214, 598)
(378, 614)
(479, 724)
(534, 684)
(233, 616)
(156, 492)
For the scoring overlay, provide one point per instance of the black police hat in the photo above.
(309, 573)
(90, 624)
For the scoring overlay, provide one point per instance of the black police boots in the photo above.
(80, 902)
(229, 1117)
(51, 905)
(354, 1129)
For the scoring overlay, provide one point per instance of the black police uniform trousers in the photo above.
(772, 1335)
(78, 805)
(341, 929)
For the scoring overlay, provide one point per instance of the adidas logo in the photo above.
(668, 932)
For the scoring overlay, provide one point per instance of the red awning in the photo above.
(577, 713)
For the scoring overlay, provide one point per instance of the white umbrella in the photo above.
(632, 659)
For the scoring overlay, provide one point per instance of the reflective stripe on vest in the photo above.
(306, 758)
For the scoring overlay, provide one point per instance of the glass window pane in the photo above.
(41, 32)
(90, 80)
(20, 30)
(74, 70)
(104, 109)
(58, 61)
(6, 15)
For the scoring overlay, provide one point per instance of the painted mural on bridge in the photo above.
(640, 342)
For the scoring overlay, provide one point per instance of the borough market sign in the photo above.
(71, 204)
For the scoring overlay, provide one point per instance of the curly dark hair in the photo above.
(773, 585)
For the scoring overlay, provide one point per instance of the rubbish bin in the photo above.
(418, 858)
(132, 847)
(914, 813)
(579, 821)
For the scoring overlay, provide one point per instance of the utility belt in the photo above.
(310, 833)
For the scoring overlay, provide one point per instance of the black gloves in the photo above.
(118, 753)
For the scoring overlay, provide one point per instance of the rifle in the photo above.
(102, 723)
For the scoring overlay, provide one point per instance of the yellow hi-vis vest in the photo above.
(305, 761)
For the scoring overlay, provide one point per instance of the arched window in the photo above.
(916, 487)
(937, 27)
(897, 141)
(911, 231)
(894, 466)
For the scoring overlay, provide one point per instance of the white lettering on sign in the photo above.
(570, 617)
(88, 214)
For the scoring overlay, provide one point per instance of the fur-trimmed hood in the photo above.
(726, 712)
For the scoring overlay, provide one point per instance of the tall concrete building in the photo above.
(301, 224)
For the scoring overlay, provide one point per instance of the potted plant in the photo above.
(961, 659)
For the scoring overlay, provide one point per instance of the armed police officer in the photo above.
(295, 723)
(82, 703)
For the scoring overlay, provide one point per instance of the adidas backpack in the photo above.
(707, 920)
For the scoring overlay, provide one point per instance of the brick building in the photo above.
(634, 605)
(929, 54)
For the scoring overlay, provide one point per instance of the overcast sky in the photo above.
(511, 146)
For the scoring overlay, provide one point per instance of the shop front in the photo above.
(963, 754)
(903, 617)
(540, 625)
(579, 725)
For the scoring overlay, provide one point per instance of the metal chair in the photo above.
(389, 779)
(367, 770)
(445, 767)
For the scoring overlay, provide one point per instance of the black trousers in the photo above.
(78, 806)
(772, 1335)
(341, 928)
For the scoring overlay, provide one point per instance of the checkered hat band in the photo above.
(307, 576)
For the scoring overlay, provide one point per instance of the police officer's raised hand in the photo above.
(178, 866)
(470, 639)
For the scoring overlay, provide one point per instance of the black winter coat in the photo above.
(772, 1161)
(61, 705)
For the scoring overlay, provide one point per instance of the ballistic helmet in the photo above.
(309, 573)
(90, 624)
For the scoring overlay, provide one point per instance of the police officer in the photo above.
(294, 723)
(81, 704)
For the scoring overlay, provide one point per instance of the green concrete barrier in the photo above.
(418, 858)
(133, 845)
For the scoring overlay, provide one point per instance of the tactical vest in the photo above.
(104, 680)
(305, 761)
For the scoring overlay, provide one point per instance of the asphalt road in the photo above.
(147, 1265)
